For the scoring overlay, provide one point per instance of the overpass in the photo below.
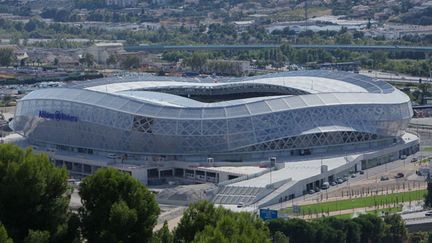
(198, 47)
(422, 49)
(417, 221)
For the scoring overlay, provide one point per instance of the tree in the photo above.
(32, 193)
(279, 237)
(344, 39)
(197, 61)
(31, 25)
(37, 237)
(163, 235)
(202, 222)
(297, 230)
(4, 238)
(428, 196)
(56, 61)
(112, 59)
(395, 230)
(6, 56)
(195, 218)
(116, 208)
(131, 62)
(87, 59)
(372, 228)
(234, 227)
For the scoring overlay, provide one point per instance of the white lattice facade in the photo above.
(282, 114)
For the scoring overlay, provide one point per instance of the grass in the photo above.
(362, 202)
(373, 212)
(428, 149)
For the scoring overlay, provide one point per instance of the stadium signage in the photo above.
(58, 116)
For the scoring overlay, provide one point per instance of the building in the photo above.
(102, 51)
(122, 3)
(284, 114)
(164, 127)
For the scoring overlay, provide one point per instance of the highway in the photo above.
(422, 49)
(394, 78)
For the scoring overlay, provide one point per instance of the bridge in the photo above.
(198, 47)
(422, 49)
(417, 221)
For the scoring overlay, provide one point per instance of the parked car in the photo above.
(361, 172)
(311, 191)
(428, 213)
(403, 156)
(325, 185)
(317, 189)
(240, 205)
(112, 156)
(339, 181)
(345, 178)
(414, 160)
(399, 175)
(353, 176)
(333, 183)
(384, 178)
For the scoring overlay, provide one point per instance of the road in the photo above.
(394, 78)
(422, 49)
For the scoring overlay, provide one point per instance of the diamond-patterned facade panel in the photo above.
(105, 129)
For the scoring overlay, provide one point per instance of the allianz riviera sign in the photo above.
(58, 116)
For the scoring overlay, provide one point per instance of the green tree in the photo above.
(202, 222)
(116, 208)
(279, 237)
(197, 61)
(112, 59)
(297, 230)
(4, 238)
(32, 193)
(36, 236)
(235, 227)
(87, 59)
(344, 39)
(163, 235)
(31, 25)
(395, 230)
(6, 56)
(428, 196)
(424, 88)
(372, 228)
(195, 218)
(131, 62)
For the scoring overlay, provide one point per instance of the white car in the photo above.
(112, 156)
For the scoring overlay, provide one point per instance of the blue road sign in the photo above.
(267, 214)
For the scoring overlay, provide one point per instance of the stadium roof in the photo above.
(139, 94)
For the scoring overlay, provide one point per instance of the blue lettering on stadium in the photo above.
(58, 116)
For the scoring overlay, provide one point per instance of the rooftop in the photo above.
(173, 97)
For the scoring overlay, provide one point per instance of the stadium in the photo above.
(262, 139)
(240, 119)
